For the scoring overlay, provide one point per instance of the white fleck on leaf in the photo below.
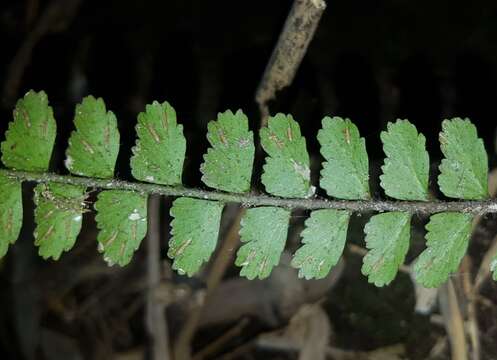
(120, 232)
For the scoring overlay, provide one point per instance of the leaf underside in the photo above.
(158, 157)
(10, 212)
(30, 138)
(264, 231)
(345, 173)
(194, 230)
(323, 241)
(160, 149)
(93, 147)
(228, 163)
(387, 238)
(406, 168)
(58, 217)
(447, 241)
(122, 221)
(287, 170)
(464, 171)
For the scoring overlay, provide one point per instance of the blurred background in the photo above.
(372, 61)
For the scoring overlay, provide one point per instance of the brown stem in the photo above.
(155, 317)
(477, 207)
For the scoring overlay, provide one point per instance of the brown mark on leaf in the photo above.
(67, 225)
(222, 137)
(289, 133)
(133, 230)
(44, 129)
(263, 265)
(249, 258)
(275, 139)
(10, 216)
(121, 250)
(26, 118)
(107, 135)
(48, 233)
(48, 214)
(443, 140)
(346, 133)
(378, 264)
(182, 248)
(153, 133)
(87, 146)
(165, 120)
(109, 241)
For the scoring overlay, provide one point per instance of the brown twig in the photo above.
(289, 51)
(218, 343)
(155, 317)
(472, 319)
(454, 323)
(484, 270)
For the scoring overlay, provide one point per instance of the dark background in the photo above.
(372, 61)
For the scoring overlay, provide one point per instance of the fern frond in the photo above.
(157, 163)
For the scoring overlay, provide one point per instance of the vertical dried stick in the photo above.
(287, 55)
(155, 317)
(454, 323)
